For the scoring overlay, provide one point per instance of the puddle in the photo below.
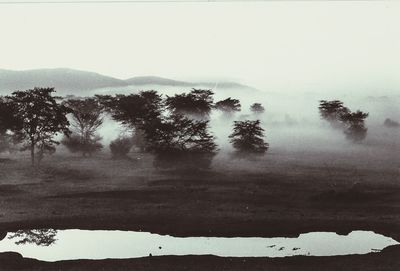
(52, 245)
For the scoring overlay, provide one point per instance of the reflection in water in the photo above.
(85, 244)
(41, 237)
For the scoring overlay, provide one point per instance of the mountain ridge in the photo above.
(72, 81)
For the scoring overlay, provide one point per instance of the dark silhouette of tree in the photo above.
(197, 103)
(41, 237)
(178, 140)
(135, 111)
(41, 118)
(87, 117)
(355, 125)
(171, 137)
(228, 106)
(248, 138)
(257, 108)
(332, 111)
(352, 123)
(120, 147)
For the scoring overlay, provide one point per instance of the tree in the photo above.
(355, 125)
(135, 111)
(247, 138)
(87, 117)
(40, 237)
(332, 111)
(197, 103)
(352, 123)
(180, 140)
(228, 106)
(41, 118)
(257, 108)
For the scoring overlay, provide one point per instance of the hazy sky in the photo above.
(351, 46)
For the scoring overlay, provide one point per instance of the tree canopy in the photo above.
(197, 102)
(134, 110)
(332, 111)
(228, 105)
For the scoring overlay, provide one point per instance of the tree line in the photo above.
(175, 129)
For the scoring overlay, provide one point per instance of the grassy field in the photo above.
(282, 194)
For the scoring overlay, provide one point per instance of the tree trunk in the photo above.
(33, 154)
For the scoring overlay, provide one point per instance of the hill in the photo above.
(70, 81)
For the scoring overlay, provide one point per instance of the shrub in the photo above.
(76, 143)
(120, 147)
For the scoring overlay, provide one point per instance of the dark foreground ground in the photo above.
(386, 260)
(280, 195)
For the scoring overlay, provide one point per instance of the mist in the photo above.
(294, 128)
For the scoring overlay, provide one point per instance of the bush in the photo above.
(197, 103)
(75, 143)
(120, 147)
